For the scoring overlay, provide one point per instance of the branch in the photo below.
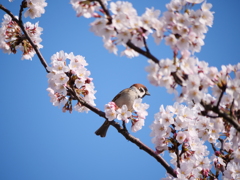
(21, 10)
(142, 52)
(125, 133)
(222, 142)
(178, 156)
(225, 116)
(84, 103)
(145, 44)
(231, 109)
(178, 78)
(109, 17)
(20, 24)
(233, 121)
(213, 147)
(144, 147)
(221, 95)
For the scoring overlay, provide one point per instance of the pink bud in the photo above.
(217, 153)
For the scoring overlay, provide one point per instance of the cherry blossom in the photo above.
(36, 8)
(196, 130)
(12, 38)
(73, 75)
(111, 114)
(86, 8)
(181, 136)
(123, 114)
(182, 31)
(232, 171)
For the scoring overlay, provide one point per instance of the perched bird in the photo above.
(127, 97)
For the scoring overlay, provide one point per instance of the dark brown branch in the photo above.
(178, 156)
(222, 142)
(142, 52)
(231, 109)
(178, 78)
(125, 133)
(233, 121)
(221, 95)
(9, 13)
(212, 175)
(225, 116)
(23, 4)
(20, 24)
(213, 147)
(84, 103)
(145, 148)
(210, 116)
(145, 44)
(109, 17)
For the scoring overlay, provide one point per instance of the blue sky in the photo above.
(38, 141)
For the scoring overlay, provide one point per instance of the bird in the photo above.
(125, 97)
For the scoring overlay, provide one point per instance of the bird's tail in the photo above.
(102, 131)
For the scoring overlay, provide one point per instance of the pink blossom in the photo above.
(181, 136)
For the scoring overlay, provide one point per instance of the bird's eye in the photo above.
(141, 89)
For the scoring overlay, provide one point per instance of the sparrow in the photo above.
(127, 97)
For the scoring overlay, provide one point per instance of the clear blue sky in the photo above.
(38, 141)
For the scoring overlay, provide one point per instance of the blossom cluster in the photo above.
(35, 8)
(73, 75)
(87, 8)
(195, 77)
(193, 124)
(182, 28)
(12, 38)
(183, 131)
(197, 80)
(122, 113)
(187, 26)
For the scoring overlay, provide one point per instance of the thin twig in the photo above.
(21, 10)
(221, 95)
(109, 17)
(145, 44)
(213, 147)
(212, 175)
(142, 52)
(231, 108)
(84, 103)
(214, 117)
(178, 156)
(221, 149)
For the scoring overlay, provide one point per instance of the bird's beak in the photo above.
(147, 93)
